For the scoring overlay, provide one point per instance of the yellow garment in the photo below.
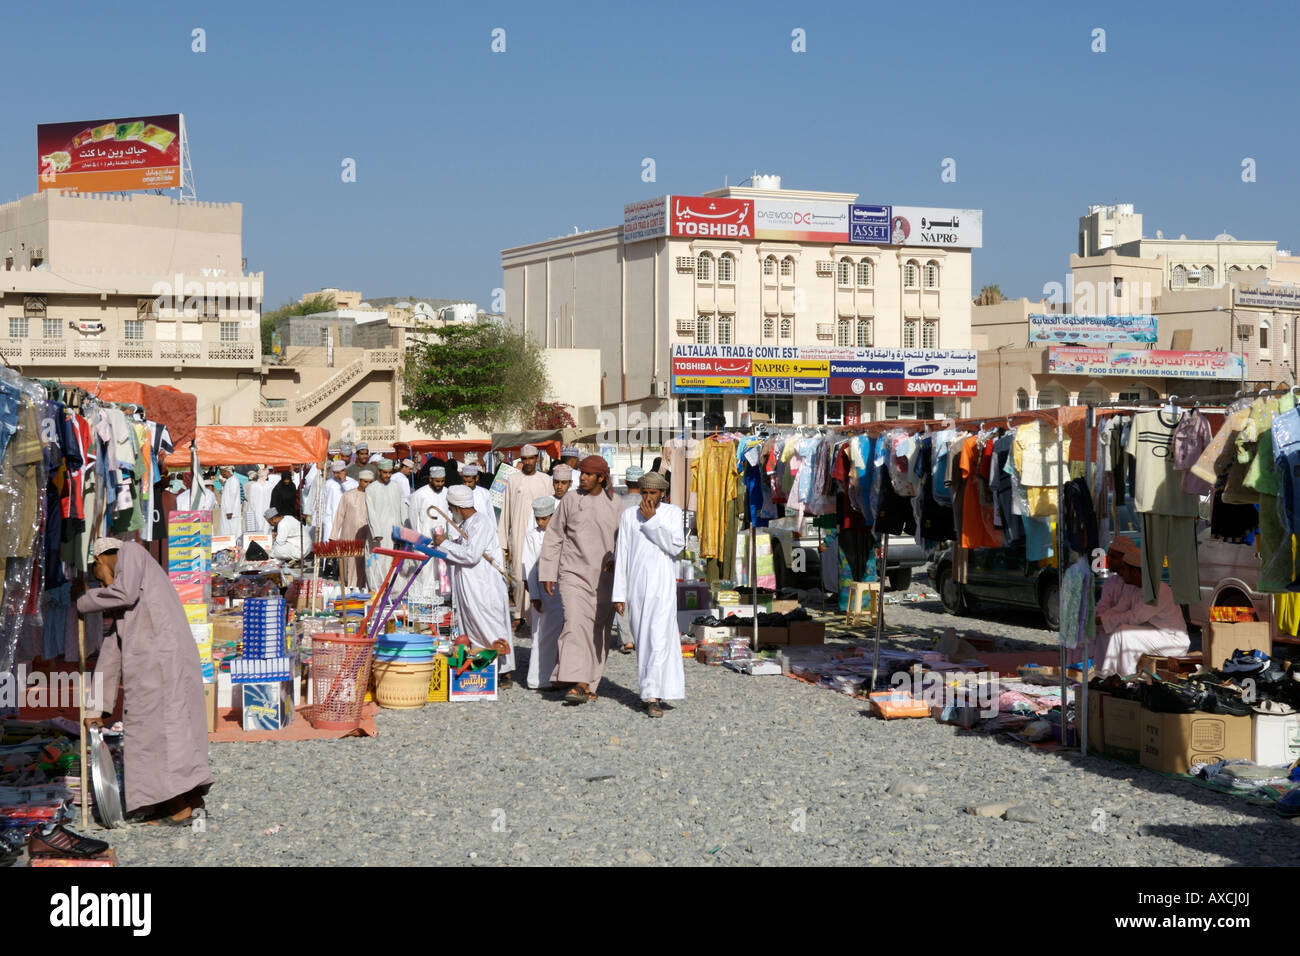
(714, 482)
(1035, 456)
(1286, 611)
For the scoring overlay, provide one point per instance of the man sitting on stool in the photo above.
(1128, 627)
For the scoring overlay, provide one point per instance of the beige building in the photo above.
(635, 300)
(132, 287)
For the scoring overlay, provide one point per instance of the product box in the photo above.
(266, 706)
(1122, 729)
(784, 607)
(225, 691)
(692, 596)
(224, 542)
(704, 634)
(686, 619)
(473, 685)
(438, 681)
(1220, 640)
(1275, 739)
(210, 706)
(192, 587)
(182, 517)
(1168, 668)
(1098, 700)
(180, 542)
(766, 635)
(807, 632)
(206, 662)
(1171, 743)
(190, 560)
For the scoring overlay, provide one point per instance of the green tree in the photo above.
(989, 295)
(472, 374)
(317, 303)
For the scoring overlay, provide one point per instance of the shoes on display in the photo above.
(1246, 663)
(60, 841)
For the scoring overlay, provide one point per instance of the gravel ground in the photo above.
(747, 770)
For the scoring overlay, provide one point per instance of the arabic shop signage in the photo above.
(794, 220)
(822, 370)
(1269, 297)
(1149, 362)
(1092, 328)
(870, 224)
(943, 228)
(110, 154)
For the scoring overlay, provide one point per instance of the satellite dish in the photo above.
(1160, 234)
(424, 310)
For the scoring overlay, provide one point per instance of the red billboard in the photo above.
(710, 217)
(110, 155)
(711, 366)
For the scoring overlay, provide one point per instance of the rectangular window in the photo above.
(725, 322)
(909, 334)
(230, 331)
(210, 309)
(843, 333)
(830, 411)
(930, 335)
(51, 328)
(693, 411)
(133, 330)
(19, 328)
(779, 410)
(1119, 288)
(726, 270)
(787, 268)
(918, 408)
(276, 402)
(864, 333)
(365, 414)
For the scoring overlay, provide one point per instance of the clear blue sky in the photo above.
(461, 152)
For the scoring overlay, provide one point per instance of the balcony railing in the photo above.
(86, 351)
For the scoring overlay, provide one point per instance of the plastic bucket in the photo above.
(402, 686)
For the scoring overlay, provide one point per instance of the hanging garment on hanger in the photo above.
(1168, 515)
(1218, 454)
(1191, 436)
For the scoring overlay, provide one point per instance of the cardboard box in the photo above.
(686, 620)
(438, 681)
(473, 685)
(1275, 739)
(210, 706)
(267, 706)
(225, 691)
(1122, 729)
(1171, 743)
(807, 632)
(766, 635)
(1169, 668)
(1220, 640)
(711, 635)
(784, 607)
(1097, 700)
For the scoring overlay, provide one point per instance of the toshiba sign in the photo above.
(710, 217)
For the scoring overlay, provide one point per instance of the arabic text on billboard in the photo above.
(710, 217)
(647, 219)
(823, 370)
(945, 228)
(801, 220)
(1151, 362)
(1092, 328)
(1270, 297)
(109, 155)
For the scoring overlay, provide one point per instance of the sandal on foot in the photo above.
(653, 709)
(626, 648)
(60, 841)
(185, 821)
(576, 695)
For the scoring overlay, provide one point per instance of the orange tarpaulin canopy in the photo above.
(444, 446)
(255, 445)
(176, 409)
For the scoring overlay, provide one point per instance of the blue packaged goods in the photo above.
(250, 670)
(267, 705)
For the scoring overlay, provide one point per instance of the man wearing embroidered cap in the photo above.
(516, 521)
(422, 516)
(477, 586)
(561, 480)
(334, 489)
(548, 613)
(292, 542)
(352, 523)
(384, 511)
(151, 653)
(569, 455)
(402, 478)
(482, 498)
(229, 519)
(362, 462)
(578, 563)
(650, 537)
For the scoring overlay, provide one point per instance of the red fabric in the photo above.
(974, 529)
(176, 409)
(276, 445)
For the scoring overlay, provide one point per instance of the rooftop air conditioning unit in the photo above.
(1245, 332)
(661, 389)
(686, 326)
(685, 263)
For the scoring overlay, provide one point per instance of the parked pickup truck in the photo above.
(791, 552)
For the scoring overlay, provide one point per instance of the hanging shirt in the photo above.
(1158, 487)
(976, 527)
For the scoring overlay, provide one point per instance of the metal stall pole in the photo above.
(881, 560)
(1060, 565)
(1081, 705)
(81, 707)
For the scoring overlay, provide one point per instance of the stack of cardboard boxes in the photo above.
(189, 566)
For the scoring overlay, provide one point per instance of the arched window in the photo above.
(1092, 394)
(843, 332)
(930, 335)
(769, 266)
(1052, 396)
(786, 329)
(910, 334)
(911, 275)
(769, 328)
(726, 268)
(1263, 335)
(787, 267)
(1179, 279)
(702, 330)
(1207, 275)
(844, 271)
(932, 275)
(864, 334)
(1022, 400)
(704, 267)
(864, 273)
(724, 329)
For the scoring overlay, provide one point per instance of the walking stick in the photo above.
(451, 521)
(81, 710)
